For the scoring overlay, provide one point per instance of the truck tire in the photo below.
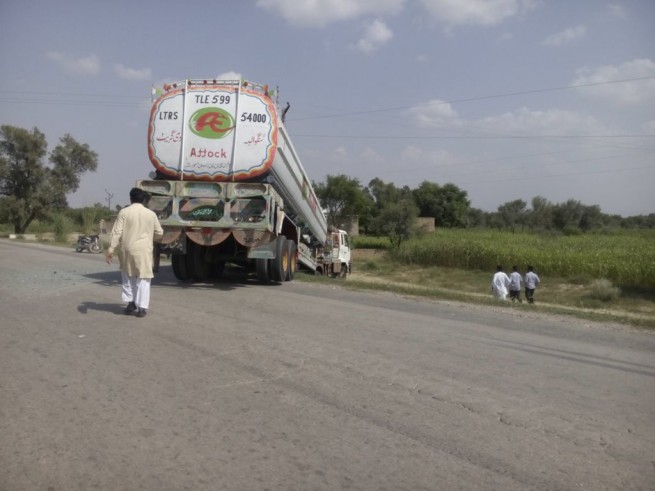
(293, 265)
(178, 262)
(218, 269)
(280, 264)
(197, 267)
(344, 271)
(261, 267)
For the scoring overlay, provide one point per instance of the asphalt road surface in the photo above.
(234, 385)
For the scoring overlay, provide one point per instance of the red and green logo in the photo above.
(211, 122)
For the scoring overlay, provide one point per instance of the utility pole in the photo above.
(108, 199)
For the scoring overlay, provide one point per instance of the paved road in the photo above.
(239, 386)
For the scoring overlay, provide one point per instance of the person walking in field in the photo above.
(135, 230)
(515, 281)
(532, 281)
(499, 284)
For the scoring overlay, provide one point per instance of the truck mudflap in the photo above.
(253, 238)
(207, 236)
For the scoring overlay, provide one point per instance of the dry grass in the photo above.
(580, 297)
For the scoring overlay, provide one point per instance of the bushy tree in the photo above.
(448, 203)
(30, 189)
(541, 215)
(513, 214)
(342, 196)
(397, 221)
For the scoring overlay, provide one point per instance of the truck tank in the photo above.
(221, 132)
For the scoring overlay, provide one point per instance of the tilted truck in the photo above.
(228, 186)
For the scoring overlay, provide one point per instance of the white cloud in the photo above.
(128, 73)
(87, 65)
(553, 122)
(376, 34)
(413, 157)
(229, 76)
(617, 11)
(623, 93)
(476, 12)
(565, 37)
(319, 13)
(435, 114)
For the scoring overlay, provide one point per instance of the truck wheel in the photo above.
(292, 265)
(218, 269)
(279, 265)
(178, 262)
(344, 271)
(261, 267)
(197, 267)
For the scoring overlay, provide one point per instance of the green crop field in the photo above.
(626, 259)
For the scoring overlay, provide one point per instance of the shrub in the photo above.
(62, 227)
(88, 218)
(603, 290)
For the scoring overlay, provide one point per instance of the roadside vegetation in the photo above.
(608, 277)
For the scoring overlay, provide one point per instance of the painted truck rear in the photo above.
(228, 186)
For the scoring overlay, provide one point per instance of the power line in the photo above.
(479, 98)
(140, 99)
(474, 137)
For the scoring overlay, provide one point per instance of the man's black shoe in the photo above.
(131, 307)
(141, 313)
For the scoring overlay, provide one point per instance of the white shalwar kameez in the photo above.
(499, 285)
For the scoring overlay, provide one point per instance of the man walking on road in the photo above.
(515, 285)
(135, 230)
(531, 282)
(499, 284)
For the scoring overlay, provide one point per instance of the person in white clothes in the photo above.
(135, 230)
(515, 281)
(532, 281)
(499, 284)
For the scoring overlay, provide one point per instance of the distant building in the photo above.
(426, 224)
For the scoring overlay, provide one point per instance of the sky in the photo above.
(507, 99)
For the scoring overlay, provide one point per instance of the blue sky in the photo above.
(507, 99)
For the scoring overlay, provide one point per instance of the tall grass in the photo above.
(89, 215)
(63, 226)
(627, 259)
(369, 242)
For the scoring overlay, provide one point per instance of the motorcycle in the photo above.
(90, 243)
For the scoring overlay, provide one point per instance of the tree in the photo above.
(342, 196)
(541, 216)
(566, 216)
(448, 203)
(30, 189)
(591, 218)
(384, 193)
(513, 213)
(397, 221)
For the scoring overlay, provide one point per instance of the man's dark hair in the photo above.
(137, 195)
(530, 268)
(499, 268)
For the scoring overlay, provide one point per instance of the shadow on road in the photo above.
(232, 279)
(112, 308)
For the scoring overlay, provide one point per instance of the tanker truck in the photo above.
(228, 187)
